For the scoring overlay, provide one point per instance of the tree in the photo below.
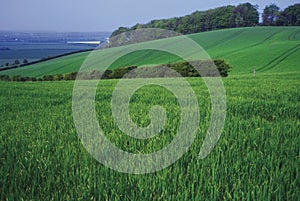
(222, 17)
(17, 62)
(25, 61)
(246, 15)
(119, 30)
(4, 78)
(223, 67)
(48, 77)
(107, 74)
(290, 16)
(70, 76)
(120, 72)
(16, 78)
(270, 15)
(58, 77)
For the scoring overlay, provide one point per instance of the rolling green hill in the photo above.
(268, 49)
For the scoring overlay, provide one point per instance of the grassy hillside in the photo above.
(269, 49)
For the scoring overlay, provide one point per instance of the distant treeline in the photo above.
(243, 15)
(185, 69)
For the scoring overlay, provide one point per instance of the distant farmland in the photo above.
(268, 49)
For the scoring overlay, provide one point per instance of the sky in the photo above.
(103, 15)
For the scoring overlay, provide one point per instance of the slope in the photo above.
(268, 49)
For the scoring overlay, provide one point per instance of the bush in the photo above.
(223, 67)
(206, 68)
(107, 74)
(17, 62)
(58, 77)
(48, 78)
(120, 72)
(25, 61)
(70, 76)
(185, 69)
(16, 78)
(4, 78)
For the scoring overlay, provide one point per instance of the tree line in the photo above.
(243, 15)
(273, 16)
(185, 69)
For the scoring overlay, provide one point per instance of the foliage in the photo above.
(206, 68)
(4, 78)
(223, 67)
(186, 69)
(25, 61)
(270, 15)
(244, 15)
(120, 72)
(290, 16)
(120, 30)
(17, 62)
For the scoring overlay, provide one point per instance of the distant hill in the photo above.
(268, 49)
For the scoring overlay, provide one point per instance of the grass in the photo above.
(273, 49)
(256, 158)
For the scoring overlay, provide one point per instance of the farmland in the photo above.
(269, 49)
(256, 158)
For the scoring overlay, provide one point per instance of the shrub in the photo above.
(120, 72)
(186, 69)
(4, 78)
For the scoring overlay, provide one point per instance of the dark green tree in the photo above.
(120, 30)
(246, 15)
(270, 15)
(107, 74)
(120, 72)
(16, 78)
(17, 62)
(4, 78)
(290, 16)
(25, 61)
(243, 15)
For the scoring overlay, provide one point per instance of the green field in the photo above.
(256, 158)
(274, 49)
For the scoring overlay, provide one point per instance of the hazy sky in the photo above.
(102, 15)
